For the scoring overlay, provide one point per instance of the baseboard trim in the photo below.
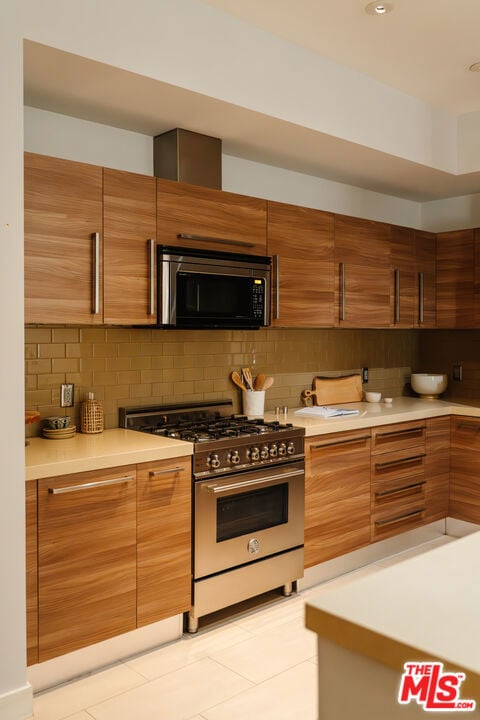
(460, 528)
(371, 553)
(17, 704)
(94, 657)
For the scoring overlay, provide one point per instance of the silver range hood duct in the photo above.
(188, 157)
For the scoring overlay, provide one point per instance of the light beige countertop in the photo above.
(425, 607)
(402, 409)
(112, 448)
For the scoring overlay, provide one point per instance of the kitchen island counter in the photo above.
(402, 409)
(111, 448)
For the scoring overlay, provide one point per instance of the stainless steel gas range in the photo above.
(248, 500)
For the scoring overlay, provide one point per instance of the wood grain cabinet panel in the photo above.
(87, 559)
(31, 571)
(164, 572)
(214, 219)
(437, 468)
(337, 495)
(129, 227)
(363, 272)
(455, 279)
(403, 296)
(63, 214)
(425, 286)
(465, 469)
(300, 240)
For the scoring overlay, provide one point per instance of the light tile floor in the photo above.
(257, 663)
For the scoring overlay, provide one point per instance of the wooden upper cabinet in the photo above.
(455, 279)
(164, 563)
(425, 269)
(63, 241)
(301, 243)
(129, 216)
(403, 291)
(86, 559)
(363, 272)
(210, 219)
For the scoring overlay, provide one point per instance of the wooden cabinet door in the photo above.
(129, 229)
(455, 279)
(464, 501)
(403, 291)
(164, 572)
(437, 468)
(425, 268)
(32, 571)
(301, 243)
(337, 495)
(199, 217)
(63, 241)
(363, 277)
(87, 559)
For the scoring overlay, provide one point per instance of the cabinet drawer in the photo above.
(400, 465)
(399, 436)
(398, 516)
(392, 495)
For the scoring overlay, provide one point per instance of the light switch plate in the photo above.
(66, 394)
(457, 373)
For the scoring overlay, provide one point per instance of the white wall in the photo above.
(452, 213)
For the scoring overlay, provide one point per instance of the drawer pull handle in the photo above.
(471, 427)
(156, 473)
(419, 429)
(405, 461)
(399, 518)
(341, 442)
(88, 486)
(386, 493)
(218, 241)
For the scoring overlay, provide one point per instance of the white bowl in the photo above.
(427, 385)
(374, 397)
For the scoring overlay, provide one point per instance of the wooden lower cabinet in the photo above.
(465, 469)
(437, 468)
(337, 494)
(164, 573)
(86, 559)
(31, 571)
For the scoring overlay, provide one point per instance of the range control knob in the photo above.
(234, 457)
(290, 448)
(282, 449)
(213, 460)
(264, 452)
(254, 453)
(273, 450)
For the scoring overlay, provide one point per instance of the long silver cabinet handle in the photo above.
(342, 291)
(156, 473)
(88, 486)
(151, 253)
(403, 461)
(421, 297)
(409, 431)
(399, 518)
(397, 296)
(276, 270)
(252, 483)
(96, 274)
(386, 493)
(340, 442)
(218, 241)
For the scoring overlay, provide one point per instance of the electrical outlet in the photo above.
(66, 394)
(457, 372)
(364, 374)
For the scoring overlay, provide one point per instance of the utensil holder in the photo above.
(253, 403)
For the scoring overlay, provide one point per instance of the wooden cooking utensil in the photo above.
(259, 381)
(247, 376)
(235, 377)
(268, 383)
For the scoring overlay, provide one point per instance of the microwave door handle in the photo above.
(168, 288)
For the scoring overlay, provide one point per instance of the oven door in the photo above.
(247, 517)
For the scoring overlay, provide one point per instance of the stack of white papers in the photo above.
(324, 411)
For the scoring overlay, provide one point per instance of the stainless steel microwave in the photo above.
(205, 289)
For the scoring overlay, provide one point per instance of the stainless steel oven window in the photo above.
(251, 511)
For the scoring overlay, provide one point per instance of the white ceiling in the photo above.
(422, 48)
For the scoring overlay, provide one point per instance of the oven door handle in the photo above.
(227, 486)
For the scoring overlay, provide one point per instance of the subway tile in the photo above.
(65, 365)
(65, 335)
(38, 335)
(104, 350)
(129, 349)
(36, 367)
(90, 363)
(92, 335)
(117, 392)
(51, 350)
(31, 351)
(140, 391)
(50, 381)
(80, 350)
(31, 382)
(129, 377)
(151, 376)
(141, 335)
(117, 335)
(151, 349)
(117, 364)
(104, 378)
(36, 398)
(140, 363)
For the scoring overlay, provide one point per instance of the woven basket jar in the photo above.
(91, 415)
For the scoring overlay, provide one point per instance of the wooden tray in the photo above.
(331, 391)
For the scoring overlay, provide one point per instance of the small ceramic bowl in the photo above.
(373, 397)
(57, 423)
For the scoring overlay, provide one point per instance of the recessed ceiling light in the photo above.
(475, 67)
(376, 8)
